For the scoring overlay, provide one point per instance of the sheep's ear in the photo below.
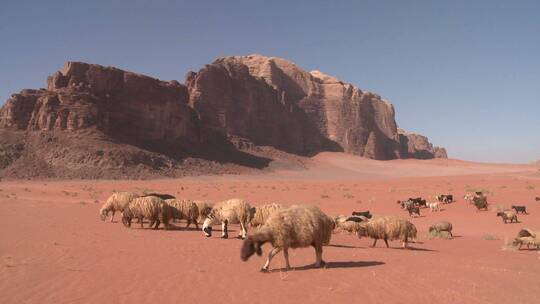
(258, 249)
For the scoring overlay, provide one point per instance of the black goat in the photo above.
(366, 214)
(519, 209)
(413, 210)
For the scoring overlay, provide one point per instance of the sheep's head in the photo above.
(103, 213)
(362, 231)
(207, 227)
(500, 213)
(249, 248)
(126, 220)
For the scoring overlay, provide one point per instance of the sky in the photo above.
(464, 73)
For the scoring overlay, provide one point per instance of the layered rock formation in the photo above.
(128, 107)
(242, 102)
(273, 102)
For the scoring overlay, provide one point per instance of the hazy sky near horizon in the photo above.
(464, 73)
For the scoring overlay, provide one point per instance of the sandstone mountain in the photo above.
(94, 121)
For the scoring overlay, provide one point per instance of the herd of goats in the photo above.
(294, 226)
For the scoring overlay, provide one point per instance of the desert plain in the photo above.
(55, 249)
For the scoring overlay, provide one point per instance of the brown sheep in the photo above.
(293, 227)
(151, 208)
(388, 228)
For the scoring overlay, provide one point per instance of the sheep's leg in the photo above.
(112, 216)
(318, 257)
(224, 232)
(141, 221)
(374, 243)
(157, 224)
(286, 255)
(243, 231)
(196, 225)
(386, 242)
(271, 254)
(188, 223)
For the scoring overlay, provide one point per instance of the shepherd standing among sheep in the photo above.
(388, 228)
(116, 202)
(293, 227)
(233, 211)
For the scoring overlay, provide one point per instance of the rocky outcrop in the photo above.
(271, 101)
(128, 107)
(91, 116)
(418, 146)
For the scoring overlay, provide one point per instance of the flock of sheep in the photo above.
(286, 227)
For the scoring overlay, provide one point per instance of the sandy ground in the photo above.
(55, 249)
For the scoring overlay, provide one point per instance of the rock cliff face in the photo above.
(271, 101)
(120, 119)
(128, 107)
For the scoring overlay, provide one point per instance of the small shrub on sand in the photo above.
(529, 187)
(325, 196)
(348, 195)
(477, 189)
(490, 237)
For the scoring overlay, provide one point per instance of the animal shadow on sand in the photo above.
(329, 265)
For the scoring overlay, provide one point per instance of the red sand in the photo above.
(54, 248)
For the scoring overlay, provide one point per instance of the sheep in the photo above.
(259, 214)
(508, 216)
(293, 227)
(413, 210)
(519, 209)
(526, 240)
(363, 213)
(204, 209)
(388, 228)
(480, 202)
(441, 226)
(469, 197)
(116, 202)
(350, 224)
(184, 210)
(232, 211)
(435, 206)
(150, 207)
(526, 237)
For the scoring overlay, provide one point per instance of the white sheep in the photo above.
(116, 202)
(293, 227)
(233, 211)
(435, 206)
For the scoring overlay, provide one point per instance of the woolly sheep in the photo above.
(388, 228)
(526, 237)
(232, 211)
(116, 202)
(441, 226)
(151, 208)
(508, 216)
(293, 227)
(259, 214)
(184, 210)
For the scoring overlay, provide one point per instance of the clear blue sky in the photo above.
(464, 73)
